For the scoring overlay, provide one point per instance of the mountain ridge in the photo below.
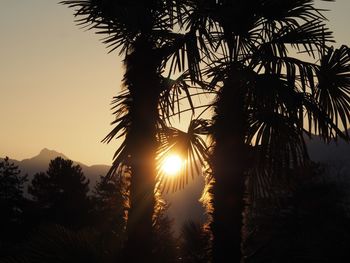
(184, 204)
(331, 153)
(40, 163)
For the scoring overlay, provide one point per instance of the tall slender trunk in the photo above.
(141, 78)
(229, 172)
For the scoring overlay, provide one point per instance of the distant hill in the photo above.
(184, 204)
(334, 154)
(40, 163)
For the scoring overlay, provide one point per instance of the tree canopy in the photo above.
(60, 194)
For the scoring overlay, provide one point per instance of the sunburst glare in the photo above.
(172, 165)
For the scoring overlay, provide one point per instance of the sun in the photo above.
(172, 165)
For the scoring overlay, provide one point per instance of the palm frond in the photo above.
(176, 91)
(122, 22)
(172, 92)
(319, 122)
(311, 36)
(281, 143)
(289, 11)
(333, 89)
(190, 146)
(185, 55)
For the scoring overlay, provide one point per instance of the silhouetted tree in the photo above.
(11, 190)
(266, 91)
(195, 243)
(142, 31)
(164, 242)
(12, 202)
(110, 204)
(264, 94)
(61, 194)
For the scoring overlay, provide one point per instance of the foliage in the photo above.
(11, 190)
(165, 245)
(192, 148)
(54, 243)
(142, 30)
(268, 96)
(60, 194)
(62, 223)
(109, 211)
(110, 199)
(12, 203)
(277, 80)
(311, 223)
(195, 243)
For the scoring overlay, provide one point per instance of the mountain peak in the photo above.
(46, 151)
(41, 162)
(49, 154)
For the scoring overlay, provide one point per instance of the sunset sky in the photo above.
(57, 80)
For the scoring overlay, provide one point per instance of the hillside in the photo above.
(334, 154)
(40, 163)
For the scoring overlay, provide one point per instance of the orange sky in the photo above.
(56, 80)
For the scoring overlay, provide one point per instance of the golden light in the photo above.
(172, 165)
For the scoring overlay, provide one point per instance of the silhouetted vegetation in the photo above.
(60, 194)
(110, 204)
(141, 37)
(249, 52)
(12, 204)
(309, 223)
(57, 198)
(195, 243)
(265, 93)
(60, 222)
(164, 243)
(263, 194)
(55, 243)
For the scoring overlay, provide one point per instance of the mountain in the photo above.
(184, 204)
(335, 154)
(40, 163)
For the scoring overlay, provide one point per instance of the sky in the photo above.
(57, 80)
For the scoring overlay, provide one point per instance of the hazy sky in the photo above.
(57, 81)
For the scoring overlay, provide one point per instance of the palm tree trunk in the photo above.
(229, 173)
(142, 80)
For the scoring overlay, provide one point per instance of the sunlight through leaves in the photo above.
(172, 165)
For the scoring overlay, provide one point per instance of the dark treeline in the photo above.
(61, 220)
(308, 221)
(57, 203)
(58, 218)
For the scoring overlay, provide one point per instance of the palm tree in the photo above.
(142, 31)
(263, 94)
(268, 97)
